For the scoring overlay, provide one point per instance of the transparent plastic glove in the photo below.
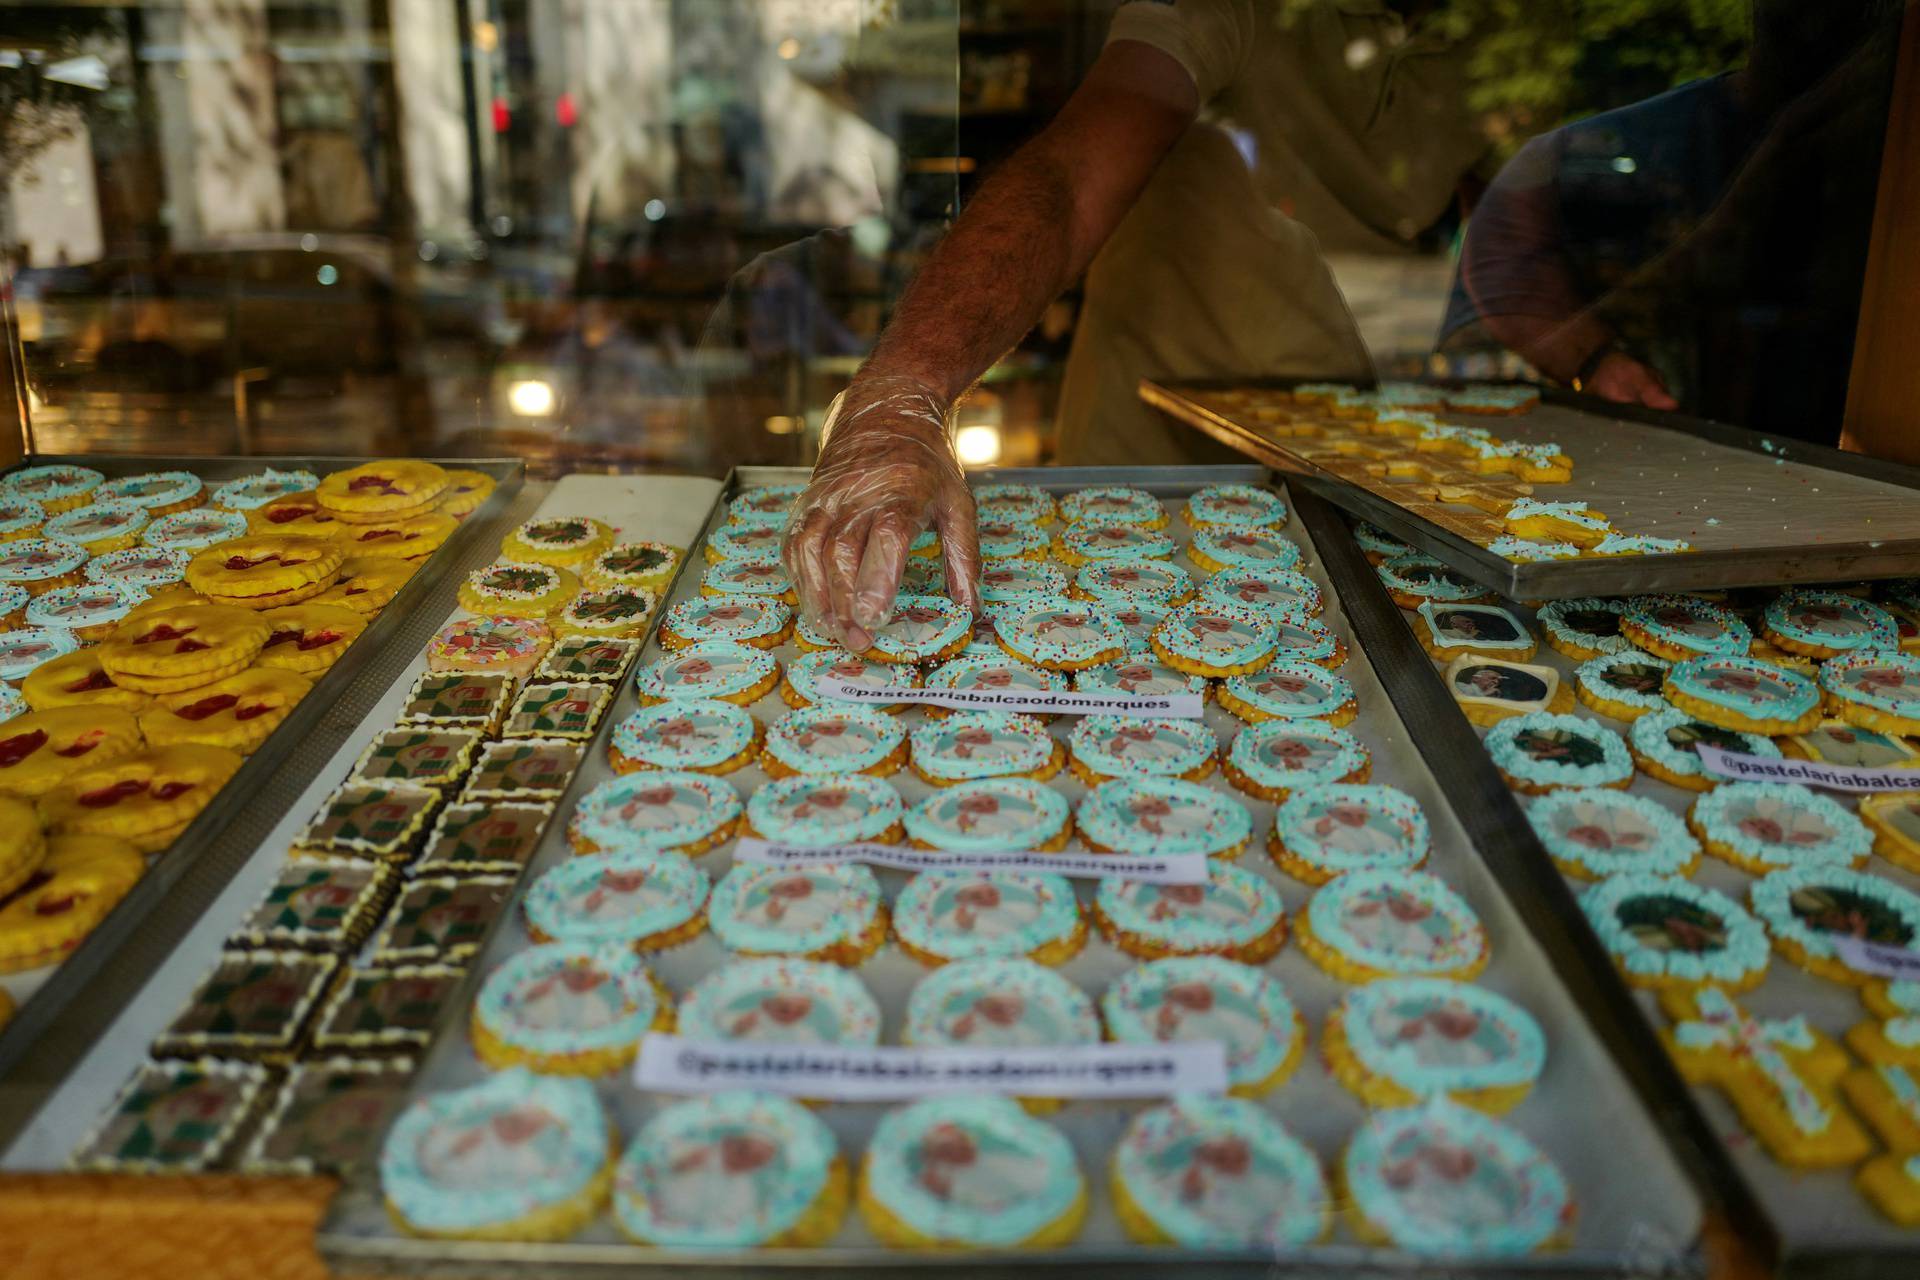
(887, 472)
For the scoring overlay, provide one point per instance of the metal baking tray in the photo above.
(1758, 511)
(62, 1013)
(1604, 1116)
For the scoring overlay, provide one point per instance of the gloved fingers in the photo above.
(845, 549)
(889, 542)
(960, 545)
(805, 553)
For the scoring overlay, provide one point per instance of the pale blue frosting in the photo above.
(1776, 899)
(766, 507)
(1605, 832)
(1639, 544)
(792, 911)
(20, 513)
(24, 649)
(12, 703)
(1110, 541)
(1559, 619)
(995, 671)
(1138, 621)
(1531, 549)
(712, 669)
(86, 604)
(694, 734)
(980, 744)
(1219, 635)
(779, 1000)
(1000, 1174)
(569, 997)
(1112, 504)
(153, 489)
(922, 626)
(734, 617)
(732, 1170)
(1002, 537)
(747, 578)
(1745, 686)
(1236, 504)
(50, 483)
(834, 738)
(1060, 630)
(655, 810)
(250, 492)
(1233, 908)
(1308, 639)
(972, 914)
(924, 577)
(821, 812)
(1782, 824)
(1373, 538)
(1435, 1035)
(1720, 942)
(804, 672)
(1291, 754)
(1400, 922)
(1272, 591)
(1220, 1173)
(621, 897)
(1508, 743)
(1001, 1004)
(1832, 619)
(1245, 548)
(747, 541)
(1341, 827)
(1135, 747)
(1690, 623)
(1517, 639)
(992, 815)
(494, 1153)
(37, 559)
(1292, 689)
(1653, 735)
(96, 521)
(1121, 582)
(1596, 676)
(1417, 574)
(1498, 1194)
(143, 568)
(195, 529)
(1013, 501)
(1008, 580)
(1203, 998)
(1887, 682)
(1163, 817)
(1137, 677)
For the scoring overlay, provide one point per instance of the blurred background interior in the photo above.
(611, 234)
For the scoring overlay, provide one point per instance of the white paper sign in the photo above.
(892, 1073)
(1813, 773)
(1159, 706)
(1896, 963)
(1180, 868)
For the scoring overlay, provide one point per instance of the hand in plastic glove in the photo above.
(886, 473)
(1624, 380)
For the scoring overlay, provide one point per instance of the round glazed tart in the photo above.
(1222, 548)
(1235, 504)
(765, 507)
(655, 811)
(968, 915)
(1217, 1173)
(1419, 1037)
(1677, 627)
(194, 530)
(982, 744)
(1060, 634)
(1163, 817)
(825, 812)
(1106, 747)
(1010, 580)
(1277, 758)
(921, 629)
(56, 487)
(1138, 621)
(780, 1001)
(1763, 826)
(1744, 693)
(798, 911)
(1186, 998)
(1114, 504)
(633, 564)
(24, 649)
(99, 526)
(1001, 1004)
(141, 568)
(20, 517)
(88, 609)
(746, 542)
(746, 578)
(834, 739)
(1009, 539)
(715, 669)
(516, 1152)
(1083, 543)
(1421, 577)
(1584, 628)
(1806, 908)
(702, 735)
(565, 1008)
(633, 898)
(1543, 749)
(1328, 830)
(1386, 923)
(1235, 913)
(804, 672)
(1278, 591)
(1624, 685)
(742, 619)
(1216, 639)
(39, 563)
(253, 491)
(991, 815)
(1440, 1178)
(1597, 832)
(1873, 690)
(154, 490)
(971, 1172)
(1664, 743)
(1013, 502)
(1141, 678)
(1664, 931)
(1121, 582)
(734, 1171)
(1289, 689)
(1824, 624)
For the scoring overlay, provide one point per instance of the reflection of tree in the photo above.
(35, 110)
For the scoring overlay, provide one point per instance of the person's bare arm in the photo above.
(886, 470)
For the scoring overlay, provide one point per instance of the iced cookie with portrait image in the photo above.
(1680, 627)
(1806, 908)
(1416, 578)
(1492, 690)
(921, 629)
(1162, 817)
(801, 688)
(717, 669)
(633, 898)
(768, 505)
(749, 620)
(1282, 591)
(38, 565)
(99, 527)
(1665, 932)
(991, 815)
(995, 673)
(748, 578)
(1186, 998)
(1004, 539)
(1837, 742)
(1239, 505)
(1584, 628)
(1026, 502)
(834, 738)
(1060, 634)
(1379, 923)
(1541, 750)
(1875, 690)
(833, 912)
(1624, 685)
(1113, 504)
(1290, 689)
(657, 810)
(1216, 640)
(1448, 631)
(1108, 747)
(1665, 745)
(1826, 624)
(1000, 1004)
(90, 610)
(1272, 760)
(1398, 1040)
(1377, 544)
(1217, 1173)
(568, 1008)
(1138, 678)
(1325, 831)
(1595, 832)
(1004, 580)
(983, 744)
(1744, 694)
(1230, 549)
(56, 487)
(703, 736)
(965, 915)
(1769, 826)
(1080, 544)
(825, 812)
(1236, 914)
(1122, 582)
(1894, 819)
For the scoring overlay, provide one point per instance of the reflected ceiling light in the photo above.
(781, 425)
(326, 274)
(977, 445)
(531, 398)
(87, 71)
(486, 36)
(1624, 164)
(655, 210)
(788, 49)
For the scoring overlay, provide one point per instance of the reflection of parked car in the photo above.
(297, 306)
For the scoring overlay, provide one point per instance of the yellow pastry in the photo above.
(390, 489)
(40, 749)
(366, 584)
(565, 540)
(80, 880)
(265, 572)
(309, 638)
(412, 538)
(175, 649)
(237, 712)
(146, 798)
(78, 680)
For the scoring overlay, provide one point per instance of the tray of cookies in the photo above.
(1550, 495)
(1408, 1079)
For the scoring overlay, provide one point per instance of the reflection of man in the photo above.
(1337, 122)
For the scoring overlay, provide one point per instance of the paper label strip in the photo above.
(1895, 963)
(1168, 706)
(1834, 777)
(1183, 868)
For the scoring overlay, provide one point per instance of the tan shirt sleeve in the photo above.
(1209, 38)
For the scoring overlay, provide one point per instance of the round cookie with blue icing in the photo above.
(1028, 502)
(1160, 817)
(194, 530)
(943, 916)
(970, 1172)
(717, 669)
(748, 620)
(1276, 758)
(1878, 691)
(991, 815)
(775, 1000)
(823, 812)
(833, 912)
(983, 744)
(1744, 694)
(144, 569)
(1286, 591)
(646, 901)
(1109, 747)
(991, 673)
(1113, 504)
(1186, 998)
(1625, 686)
(802, 689)
(1137, 678)
(13, 604)
(1385, 923)
(748, 578)
(1665, 745)
(40, 564)
(56, 487)
(1207, 639)
(89, 609)
(1680, 627)
(1307, 640)
(1415, 578)
(656, 811)
(1585, 628)
(1290, 689)
(1238, 505)
(1542, 750)
(1060, 634)
(1121, 582)
(1137, 622)
(1229, 549)
(705, 736)
(1443, 1179)
(515, 1157)
(1217, 1173)
(1806, 908)
(766, 507)
(1005, 580)
(745, 542)
(20, 518)
(1236, 914)
(99, 526)
(1004, 539)
(155, 490)
(1399, 1040)
(1325, 831)
(1664, 931)
(923, 577)
(24, 649)
(834, 738)
(1592, 833)
(567, 1008)
(732, 1171)
(1080, 544)
(1379, 545)
(257, 490)
(922, 629)
(1826, 624)
(998, 1004)
(1767, 826)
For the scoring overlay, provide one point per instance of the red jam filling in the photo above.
(374, 535)
(320, 640)
(56, 906)
(108, 796)
(287, 515)
(207, 706)
(252, 712)
(360, 484)
(90, 682)
(191, 646)
(162, 632)
(252, 562)
(284, 637)
(82, 744)
(170, 790)
(21, 745)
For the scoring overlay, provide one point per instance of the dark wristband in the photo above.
(1591, 363)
